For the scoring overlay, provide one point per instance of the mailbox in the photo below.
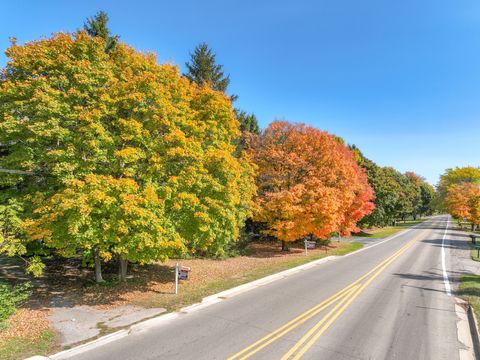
(474, 238)
(310, 244)
(183, 273)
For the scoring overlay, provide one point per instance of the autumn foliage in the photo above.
(459, 193)
(463, 201)
(308, 183)
(129, 157)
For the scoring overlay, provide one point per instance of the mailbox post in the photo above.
(176, 278)
(181, 273)
(309, 245)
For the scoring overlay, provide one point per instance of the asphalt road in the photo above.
(388, 301)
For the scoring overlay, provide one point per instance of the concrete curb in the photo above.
(90, 345)
(153, 322)
(206, 301)
(465, 352)
(472, 321)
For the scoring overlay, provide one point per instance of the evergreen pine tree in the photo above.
(98, 26)
(248, 122)
(203, 68)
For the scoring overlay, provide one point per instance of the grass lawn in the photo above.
(20, 347)
(27, 332)
(388, 230)
(470, 291)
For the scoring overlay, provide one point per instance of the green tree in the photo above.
(248, 128)
(408, 196)
(203, 69)
(248, 122)
(384, 181)
(422, 194)
(396, 194)
(427, 196)
(98, 26)
(413, 191)
(11, 240)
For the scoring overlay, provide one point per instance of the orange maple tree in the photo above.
(308, 183)
(463, 201)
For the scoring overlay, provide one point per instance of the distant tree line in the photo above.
(397, 195)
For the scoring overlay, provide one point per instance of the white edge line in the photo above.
(379, 243)
(448, 288)
(403, 232)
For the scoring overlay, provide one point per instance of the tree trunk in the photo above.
(473, 227)
(284, 246)
(98, 266)
(122, 269)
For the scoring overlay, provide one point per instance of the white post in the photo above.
(176, 278)
(306, 251)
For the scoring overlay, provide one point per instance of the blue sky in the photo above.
(400, 79)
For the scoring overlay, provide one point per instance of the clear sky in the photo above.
(400, 79)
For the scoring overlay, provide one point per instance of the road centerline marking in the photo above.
(294, 322)
(316, 334)
(339, 296)
(262, 343)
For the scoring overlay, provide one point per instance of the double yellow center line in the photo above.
(342, 298)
